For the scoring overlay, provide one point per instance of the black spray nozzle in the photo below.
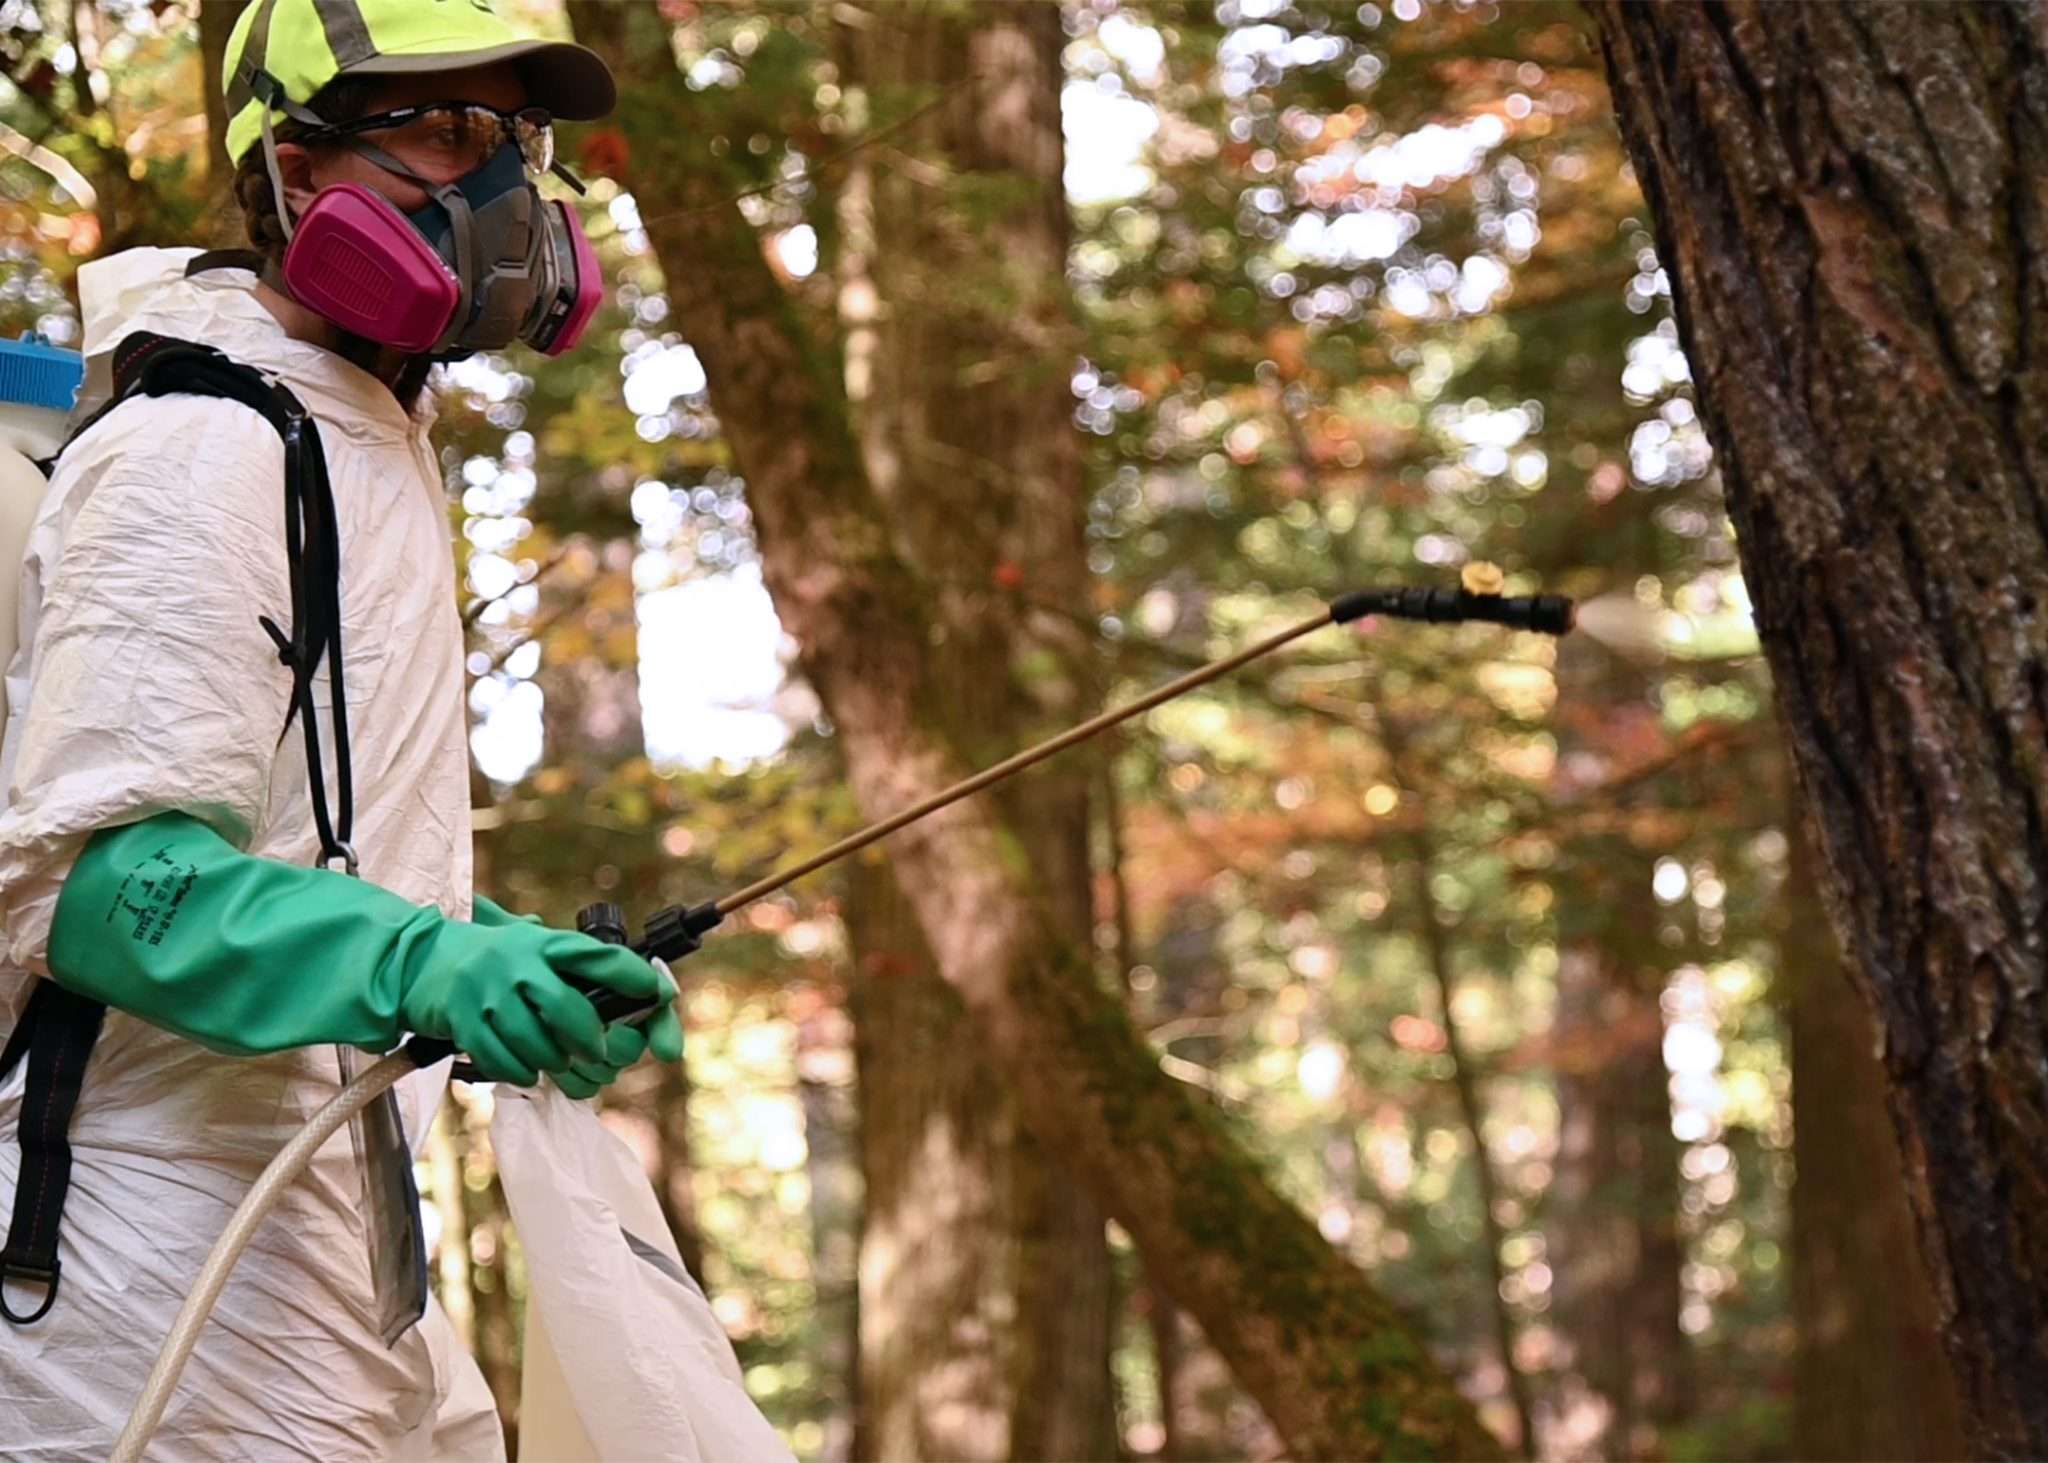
(1549, 614)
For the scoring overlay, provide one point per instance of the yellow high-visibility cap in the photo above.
(292, 48)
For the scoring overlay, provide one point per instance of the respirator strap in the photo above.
(462, 225)
(284, 209)
(270, 91)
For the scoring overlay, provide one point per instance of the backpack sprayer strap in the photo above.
(157, 365)
(58, 1027)
(56, 1033)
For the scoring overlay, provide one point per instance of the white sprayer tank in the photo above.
(38, 382)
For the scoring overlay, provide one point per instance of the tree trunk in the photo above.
(473, 1261)
(1206, 1414)
(1472, 1108)
(495, 1309)
(1871, 1382)
(1613, 1229)
(1423, 864)
(937, 1279)
(968, 445)
(1848, 199)
(952, 289)
(1612, 1212)
(1337, 1369)
(216, 23)
(826, 1066)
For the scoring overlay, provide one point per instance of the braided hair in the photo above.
(344, 99)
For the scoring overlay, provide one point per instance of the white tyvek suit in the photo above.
(144, 684)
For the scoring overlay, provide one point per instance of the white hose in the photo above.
(283, 1170)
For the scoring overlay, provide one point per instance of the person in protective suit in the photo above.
(168, 853)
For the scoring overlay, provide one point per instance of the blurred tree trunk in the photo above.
(1612, 1226)
(593, 741)
(496, 1310)
(1434, 922)
(1871, 1382)
(665, 1102)
(473, 1209)
(449, 1195)
(826, 1068)
(593, 728)
(1848, 200)
(937, 1262)
(953, 257)
(1613, 1231)
(1206, 1416)
(216, 23)
(1336, 1368)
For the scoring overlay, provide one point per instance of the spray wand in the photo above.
(679, 930)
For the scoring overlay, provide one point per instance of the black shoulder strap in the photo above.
(147, 364)
(57, 1031)
(58, 1027)
(208, 259)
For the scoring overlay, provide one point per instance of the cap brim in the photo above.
(571, 81)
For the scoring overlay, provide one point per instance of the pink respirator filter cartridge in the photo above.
(589, 284)
(356, 260)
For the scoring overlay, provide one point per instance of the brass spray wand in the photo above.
(679, 930)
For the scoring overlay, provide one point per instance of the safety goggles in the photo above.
(451, 139)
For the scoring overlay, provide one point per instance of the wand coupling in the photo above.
(1548, 614)
(671, 934)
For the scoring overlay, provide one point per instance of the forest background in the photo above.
(1086, 342)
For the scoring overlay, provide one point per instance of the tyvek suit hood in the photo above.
(144, 683)
(146, 289)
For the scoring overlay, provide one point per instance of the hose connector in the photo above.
(677, 931)
(1547, 614)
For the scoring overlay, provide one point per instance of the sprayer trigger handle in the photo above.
(614, 1006)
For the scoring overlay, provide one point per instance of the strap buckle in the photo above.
(13, 1267)
(265, 87)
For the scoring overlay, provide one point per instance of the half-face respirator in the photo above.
(486, 262)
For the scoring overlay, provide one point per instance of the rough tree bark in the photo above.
(1337, 1369)
(1848, 198)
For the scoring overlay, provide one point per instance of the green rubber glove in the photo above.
(624, 1045)
(167, 920)
(494, 916)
